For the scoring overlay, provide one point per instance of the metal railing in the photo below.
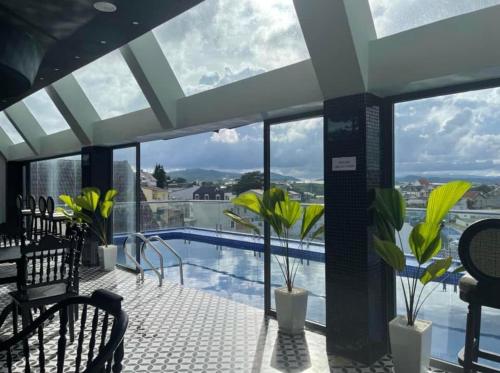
(148, 242)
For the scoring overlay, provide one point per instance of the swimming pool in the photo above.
(237, 273)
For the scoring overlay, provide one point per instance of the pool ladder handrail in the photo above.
(171, 249)
(130, 257)
(147, 243)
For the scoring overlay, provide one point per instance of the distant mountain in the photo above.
(200, 174)
(447, 178)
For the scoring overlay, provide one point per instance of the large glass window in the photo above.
(297, 166)
(392, 16)
(9, 129)
(110, 86)
(438, 140)
(54, 177)
(124, 180)
(46, 112)
(186, 184)
(221, 41)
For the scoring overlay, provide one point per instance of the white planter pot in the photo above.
(411, 345)
(107, 257)
(291, 309)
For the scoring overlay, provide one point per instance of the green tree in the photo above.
(249, 180)
(161, 176)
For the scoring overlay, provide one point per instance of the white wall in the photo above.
(3, 178)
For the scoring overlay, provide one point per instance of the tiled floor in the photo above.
(177, 329)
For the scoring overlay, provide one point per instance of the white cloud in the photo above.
(393, 16)
(451, 134)
(110, 86)
(225, 135)
(221, 41)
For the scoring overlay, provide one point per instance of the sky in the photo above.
(221, 41)
(296, 150)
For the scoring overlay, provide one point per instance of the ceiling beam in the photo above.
(292, 88)
(337, 38)
(457, 50)
(26, 124)
(75, 107)
(5, 142)
(156, 78)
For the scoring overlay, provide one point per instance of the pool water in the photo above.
(238, 274)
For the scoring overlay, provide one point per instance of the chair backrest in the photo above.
(42, 205)
(19, 202)
(479, 250)
(98, 345)
(11, 235)
(32, 204)
(52, 260)
(50, 206)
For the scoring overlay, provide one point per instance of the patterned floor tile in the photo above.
(177, 329)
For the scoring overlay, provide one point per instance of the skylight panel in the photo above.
(393, 16)
(222, 41)
(10, 130)
(46, 112)
(110, 86)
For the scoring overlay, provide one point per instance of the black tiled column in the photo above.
(97, 171)
(359, 286)
(14, 187)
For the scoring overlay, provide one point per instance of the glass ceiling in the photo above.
(46, 112)
(393, 16)
(9, 129)
(221, 41)
(110, 86)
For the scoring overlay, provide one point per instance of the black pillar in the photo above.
(97, 171)
(359, 286)
(14, 187)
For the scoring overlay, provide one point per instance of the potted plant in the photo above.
(411, 337)
(90, 208)
(283, 214)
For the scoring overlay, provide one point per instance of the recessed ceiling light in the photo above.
(103, 41)
(105, 6)
(41, 78)
(56, 69)
(77, 57)
(135, 23)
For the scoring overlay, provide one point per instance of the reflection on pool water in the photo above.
(238, 274)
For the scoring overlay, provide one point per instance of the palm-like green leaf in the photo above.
(110, 194)
(435, 270)
(425, 241)
(312, 214)
(289, 212)
(390, 253)
(385, 231)
(443, 198)
(249, 201)
(68, 201)
(105, 208)
(89, 199)
(318, 232)
(239, 220)
(459, 269)
(389, 203)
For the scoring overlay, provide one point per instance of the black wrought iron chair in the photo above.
(42, 216)
(50, 274)
(479, 250)
(42, 346)
(34, 218)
